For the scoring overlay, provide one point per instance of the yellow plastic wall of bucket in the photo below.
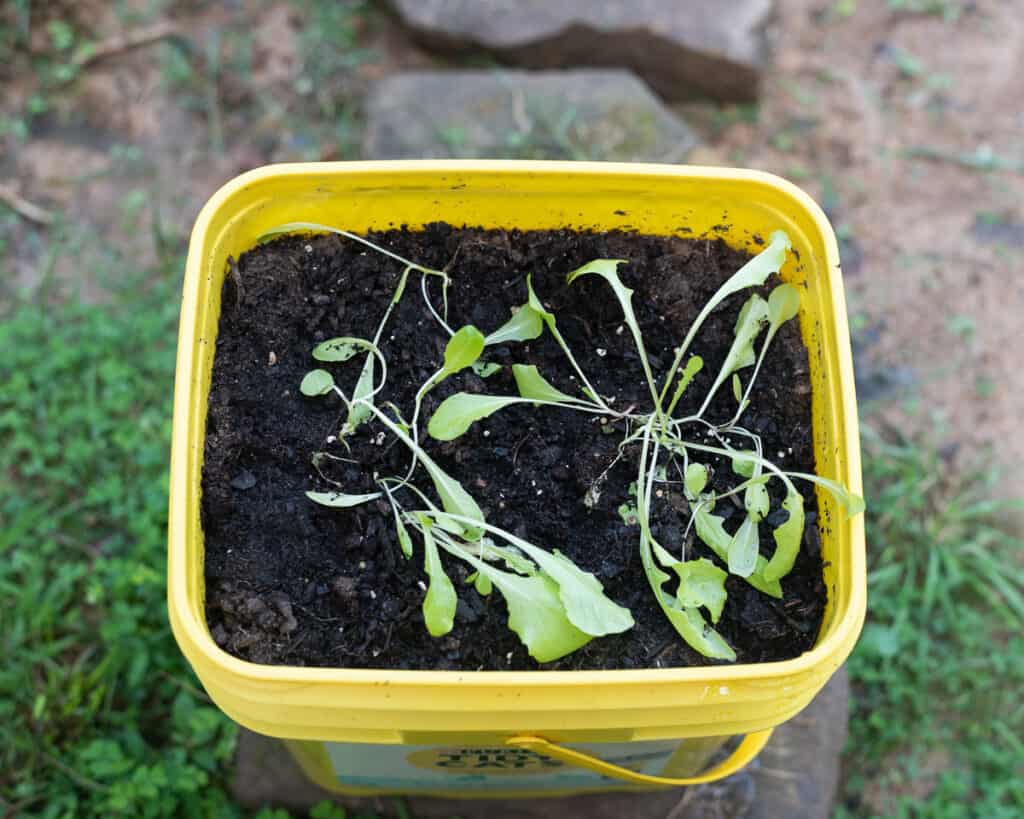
(542, 710)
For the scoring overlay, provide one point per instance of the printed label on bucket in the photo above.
(409, 768)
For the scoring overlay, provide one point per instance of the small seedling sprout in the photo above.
(554, 606)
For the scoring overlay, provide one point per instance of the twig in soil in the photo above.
(679, 811)
(586, 326)
(294, 646)
(310, 614)
(328, 436)
(782, 611)
(452, 260)
(121, 43)
(517, 447)
(27, 210)
(236, 279)
(654, 655)
(367, 639)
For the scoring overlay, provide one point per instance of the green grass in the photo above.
(99, 714)
(937, 721)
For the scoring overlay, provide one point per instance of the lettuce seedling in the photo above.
(554, 606)
(700, 586)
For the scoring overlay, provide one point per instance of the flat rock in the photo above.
(796, 774)
(592, 114)
(988, 230)
(700, 48)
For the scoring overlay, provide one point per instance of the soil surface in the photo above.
(291, 582)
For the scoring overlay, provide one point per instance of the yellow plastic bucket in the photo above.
(499, 733)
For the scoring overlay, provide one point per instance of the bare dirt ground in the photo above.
(909, 129)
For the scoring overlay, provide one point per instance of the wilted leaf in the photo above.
(783, 304)
(582, 594)
(757, 270)
(340, 500)
(688, 622)
(607, 270)
(851, 503)
(752, 318)
(743, 549)
(701, 583)
(454, 498)
(535, 612)
(787, 537)
(535, 304)
(711, 531)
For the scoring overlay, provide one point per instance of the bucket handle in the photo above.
(744, 753)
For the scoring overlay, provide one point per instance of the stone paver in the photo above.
(609, 115)
(700, 48)
(795, 775)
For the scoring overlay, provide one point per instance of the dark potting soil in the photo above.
(290, 582)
